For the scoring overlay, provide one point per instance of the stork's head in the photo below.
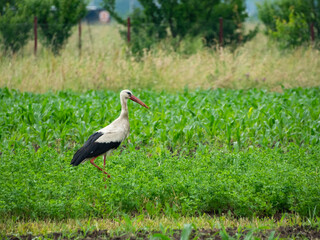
(127, 94)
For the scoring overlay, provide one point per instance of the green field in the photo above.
(231, 140)
(244, 152)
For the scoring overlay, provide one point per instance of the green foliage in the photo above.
(159, 20)
(4, 4)
(293, 33)
(186, 231)
(15, 25)
(56, 19)
(247, 152)
(285, 18)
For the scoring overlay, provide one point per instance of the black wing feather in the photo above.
(92, 149)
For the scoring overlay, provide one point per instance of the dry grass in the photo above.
(106, 64)
(141, 222)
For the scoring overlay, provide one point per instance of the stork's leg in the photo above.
(92, 162)
(104, 167)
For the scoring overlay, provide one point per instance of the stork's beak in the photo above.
(137, 100)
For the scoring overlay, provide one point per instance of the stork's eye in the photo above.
(129, 93)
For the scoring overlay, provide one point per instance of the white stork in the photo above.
(109, 137)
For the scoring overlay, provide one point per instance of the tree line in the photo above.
(55, 20)
(287, 22)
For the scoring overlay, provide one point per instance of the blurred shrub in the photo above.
(56, 19)
(291, 33)
(15, 25)
(288, 21)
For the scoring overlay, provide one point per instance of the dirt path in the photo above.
(297, 232)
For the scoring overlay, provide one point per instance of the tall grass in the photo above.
(105, 62)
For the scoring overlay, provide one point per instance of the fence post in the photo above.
(79, 43)
(221, 32)
(35, 27)
(312, 32)
(128, 33)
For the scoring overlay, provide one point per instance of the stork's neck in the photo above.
(124, 108)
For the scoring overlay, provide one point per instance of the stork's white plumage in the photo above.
(109, 137)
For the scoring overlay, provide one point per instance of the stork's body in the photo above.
(109, 137)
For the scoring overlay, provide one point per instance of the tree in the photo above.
(159, 19)
(15, 25)
(288, 21)
(56, 19)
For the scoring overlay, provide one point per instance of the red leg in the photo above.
(104, 167)
(92, 162)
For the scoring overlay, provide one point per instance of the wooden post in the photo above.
(35, 24)
(221, 32)
(79, 43)
(312, 32)
(128, 33)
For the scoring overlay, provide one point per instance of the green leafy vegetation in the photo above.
(217, 151)
(293, 33)
(15, 25)
(56, 19)
(288, 21)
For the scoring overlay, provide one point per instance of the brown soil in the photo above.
(297, 232)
